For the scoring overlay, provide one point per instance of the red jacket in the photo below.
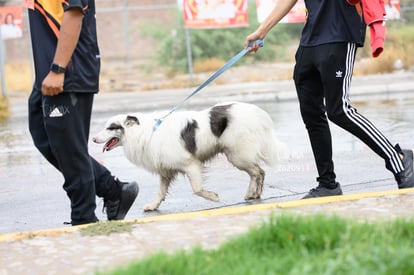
(374, 16)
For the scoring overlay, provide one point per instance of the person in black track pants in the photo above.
(323, 71)
(67, 65)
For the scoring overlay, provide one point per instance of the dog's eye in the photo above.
(114, 127)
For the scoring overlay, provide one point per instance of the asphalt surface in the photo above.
(32, 197)
(33, 239)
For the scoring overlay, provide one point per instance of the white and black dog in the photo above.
(185, 140)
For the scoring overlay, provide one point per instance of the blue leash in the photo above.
(211, 78)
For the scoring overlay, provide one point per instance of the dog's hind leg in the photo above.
(164, 184)
(245, 161)
(194, 174)
(254, 191)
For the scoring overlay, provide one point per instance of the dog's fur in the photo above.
(185, 140)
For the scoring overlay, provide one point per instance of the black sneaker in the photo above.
(321, 191)
(405, 179)
(117, 210)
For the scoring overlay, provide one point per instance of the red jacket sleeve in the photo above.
(377, 37)
(374, 11)
(374, 16)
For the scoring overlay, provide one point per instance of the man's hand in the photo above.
(53, 84)
(70, 29)
(252, 37)
(279, 11)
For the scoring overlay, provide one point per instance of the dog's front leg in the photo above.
(194, 174)
(164, 184)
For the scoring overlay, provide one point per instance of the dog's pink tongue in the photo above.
(110, 144)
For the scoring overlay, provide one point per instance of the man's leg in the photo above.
(66, 120)
(337, 79)
(37, 127)
(50, 116)
(310, 95)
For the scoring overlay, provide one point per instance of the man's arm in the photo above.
(70, 29)
(279, 11)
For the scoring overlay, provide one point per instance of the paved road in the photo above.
(32, 198)
(67, 251)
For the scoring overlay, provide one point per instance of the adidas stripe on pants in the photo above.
(322, 78)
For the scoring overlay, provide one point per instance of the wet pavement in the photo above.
(33, 189)
(66, 251)
(32, 198)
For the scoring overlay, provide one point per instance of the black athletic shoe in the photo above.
(405, 179)
(321, 191)
(117, 210)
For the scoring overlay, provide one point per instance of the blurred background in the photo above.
(153, 53)
(147, 45)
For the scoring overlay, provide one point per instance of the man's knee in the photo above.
(336, 116)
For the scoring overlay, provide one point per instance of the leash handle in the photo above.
(259, 42)
(230, 63)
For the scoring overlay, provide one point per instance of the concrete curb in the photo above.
(212, 212)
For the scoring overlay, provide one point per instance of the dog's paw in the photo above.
(208, 195)
(252, 197)
(215, 197)
(150, 207)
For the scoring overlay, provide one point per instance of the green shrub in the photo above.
(221, 43)
(280, 44)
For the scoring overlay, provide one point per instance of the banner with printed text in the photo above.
(215, 13)
(296, 15)
(11, 22)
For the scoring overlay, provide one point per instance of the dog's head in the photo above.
(114, 132)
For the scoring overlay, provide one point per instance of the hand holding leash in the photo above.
(253, 43)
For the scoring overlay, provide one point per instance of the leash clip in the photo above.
(157, 123)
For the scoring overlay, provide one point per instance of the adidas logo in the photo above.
(55, 113)
(338, 74)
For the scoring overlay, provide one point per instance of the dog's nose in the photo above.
(94, 139)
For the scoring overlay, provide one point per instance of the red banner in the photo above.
(11, 22)
(215, 13)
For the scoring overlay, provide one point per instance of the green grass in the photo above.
(297, 245)
(106, 228)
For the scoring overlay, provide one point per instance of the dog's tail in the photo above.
(274, 150)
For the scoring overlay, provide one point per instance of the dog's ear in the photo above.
(131, 120)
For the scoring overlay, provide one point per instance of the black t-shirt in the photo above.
(82, 73)
(331, 21)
